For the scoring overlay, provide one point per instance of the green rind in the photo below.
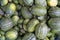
(25, 13)
(31, 25)
(6, 24)
(54, 24)
(41, 31)
(54, 12)
(29, 36)
(39, 11)
(41, 3)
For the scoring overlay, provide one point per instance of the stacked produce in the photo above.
(29, 19)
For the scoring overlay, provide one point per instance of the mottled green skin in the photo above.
(54, 24)
(41, 31)
(25, 13)
(29, 36)
(54, 12)
(26, 21)
(10, 0)
(3, 2)
(39, 11)
(15, 1)
(21, 2)
(11, 34)
(15, 19)
(28, 2)
(41, 3)
(6, 24)
(31, 25)
(10, 9)
(20, 21)
(42, 18)
(25, 27)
